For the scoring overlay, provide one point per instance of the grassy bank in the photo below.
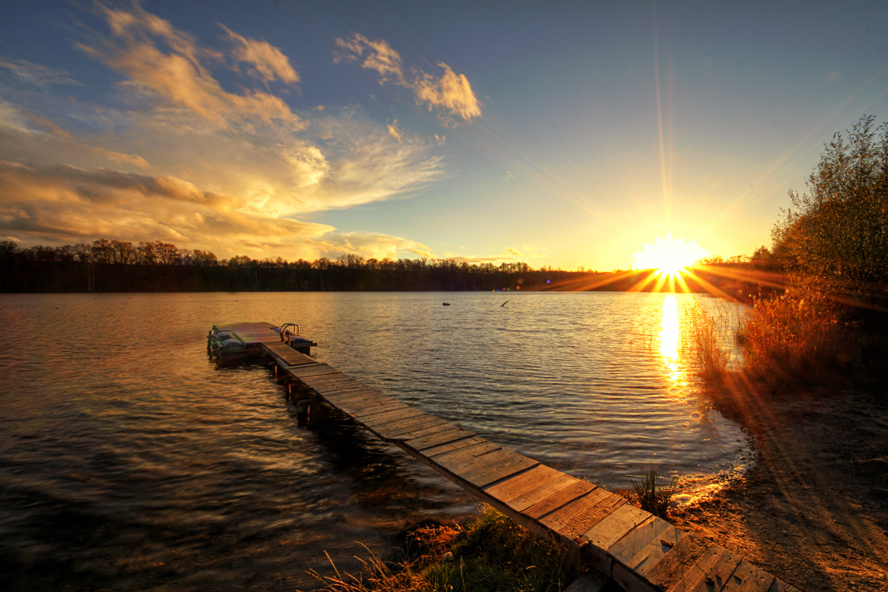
(489, 553)
(805, 336)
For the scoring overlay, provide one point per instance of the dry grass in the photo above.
(490, 553)
(653, 491)
(706, 334)
(799, 337)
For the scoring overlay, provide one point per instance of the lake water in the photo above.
(128, 460)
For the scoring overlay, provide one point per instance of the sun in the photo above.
(669, 256)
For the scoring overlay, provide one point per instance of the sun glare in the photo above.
(669, 256)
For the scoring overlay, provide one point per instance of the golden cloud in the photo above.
(451, 93)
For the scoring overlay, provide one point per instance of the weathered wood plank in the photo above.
(671, 569)
(537, 494)
(612, 528)
(423, 442)
(395, 413)
(326, 381)
(405, 429)
(594, 514)
(372, 414)
(560, 519)
(452, 446)
(520, 484)
(419, 431)
(719, 573)
(497, 465)
(749, 578)
(458, 457)
(635, 548)
(633, 578)
(705, 570)
(320, 369)
(394, 430)
(349, 394)
(559, 498)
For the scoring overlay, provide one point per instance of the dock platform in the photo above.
(638, 550)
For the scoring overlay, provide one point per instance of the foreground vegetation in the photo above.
(830, 324)
(489, 553)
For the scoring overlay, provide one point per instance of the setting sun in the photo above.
(668, 256)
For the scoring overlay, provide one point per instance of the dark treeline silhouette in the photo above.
(119, 266)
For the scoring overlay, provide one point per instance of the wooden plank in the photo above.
(635, 548)
(509, 489)
(397, 405)
(632, 575)
(451, 446)
(719, 573)
(406, 430)
(560, 519)
(320, 369)
(749, 578)
(594, 514)
(398, 429)
(700, 577)
(459, 456)
(351, 394)
(670, 570)
(402, 426)
(559, 498)
(330, 381)
(395, 413)
(537, 494)
(612, 528)
(497, 465)
(423, 442)
(407, 434)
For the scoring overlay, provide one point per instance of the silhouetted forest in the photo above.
(119, 266)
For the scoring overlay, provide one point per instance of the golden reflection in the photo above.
(670, 337)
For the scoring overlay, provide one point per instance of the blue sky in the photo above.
(560, 134)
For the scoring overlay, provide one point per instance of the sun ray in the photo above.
(669, 256)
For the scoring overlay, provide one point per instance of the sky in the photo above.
(563, 134)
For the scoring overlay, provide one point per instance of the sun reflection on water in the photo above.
(670, 338)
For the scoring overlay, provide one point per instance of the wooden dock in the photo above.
(598, 528)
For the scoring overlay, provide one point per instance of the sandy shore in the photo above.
(814, 507)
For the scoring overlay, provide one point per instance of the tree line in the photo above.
(120, 266)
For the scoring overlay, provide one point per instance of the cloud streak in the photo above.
(180, 158)
(169, 64)
(449, 95)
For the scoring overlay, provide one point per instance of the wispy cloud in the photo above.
(35, 74)
(180, 158)
(449, 95)
(169, 64)
(265, 61)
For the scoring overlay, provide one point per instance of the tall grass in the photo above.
(653, 490)
(706, 333)
(802, 336)
(490, 553)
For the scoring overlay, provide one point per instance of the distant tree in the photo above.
(838, 230)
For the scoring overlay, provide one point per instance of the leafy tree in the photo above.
(838, 230)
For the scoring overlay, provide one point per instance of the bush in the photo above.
(801, 336)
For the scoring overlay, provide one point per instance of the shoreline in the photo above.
(813, 508)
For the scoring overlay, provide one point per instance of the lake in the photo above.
(128, 460)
